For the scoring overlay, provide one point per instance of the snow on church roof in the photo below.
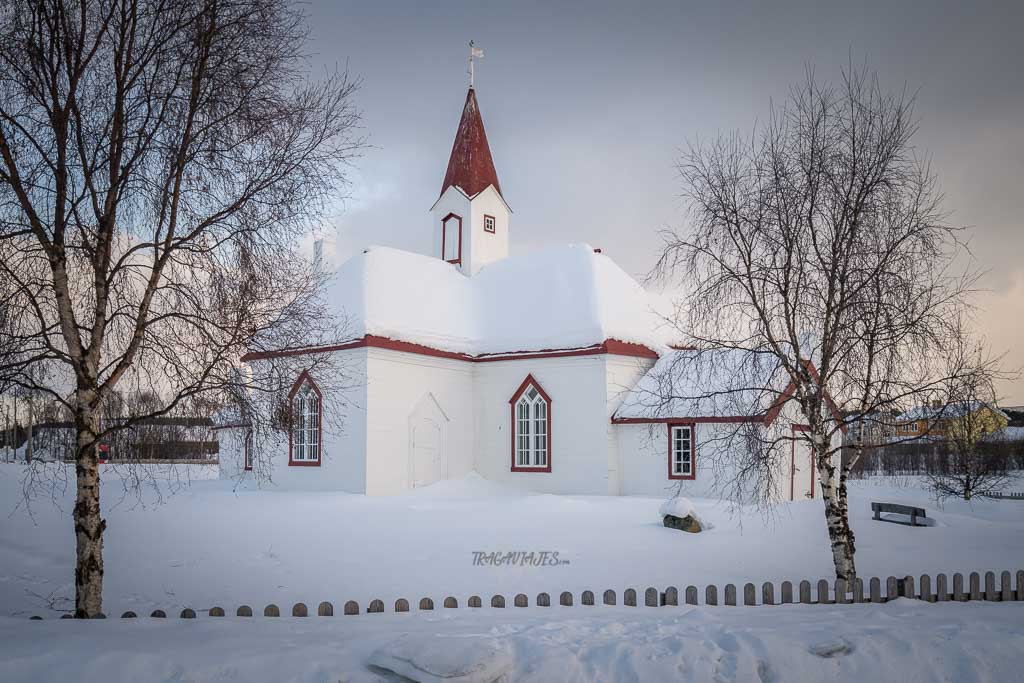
(719, 383)
(563, 297)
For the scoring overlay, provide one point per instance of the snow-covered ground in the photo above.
(207, 544)
(907, 641)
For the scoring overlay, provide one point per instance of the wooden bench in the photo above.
(913, 512)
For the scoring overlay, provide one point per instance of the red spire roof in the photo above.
(470, 166)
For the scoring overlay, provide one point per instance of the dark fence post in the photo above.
(749, 594)
(565, 599)
(401, 605)
(875, 588)
(858, 590)
(299, 610)
(651, 597)
(271, 610)
(840, 588)
(629, 597)
(375, 607)
(767, 593)
(216, 611)
(158, 614)
(609, 597)
(426, 604)
(805, 592)
(127, 615)
(188, 613)
(958, 588)
(1020, 585)
(587, 598)
(823, 592)
(671, 596)
(730, 595)
(691, 595)
(325, 609)
(990, 587)
(521, 600)
(475, 601)
(941, 588)
(244, 611)
(351, 608)
(543, 600)
(498, 601)
(787, 592)
(926, 588)
(975, 586)
(891, 589)
(1005, 588)
(711, 595)
(450, 603)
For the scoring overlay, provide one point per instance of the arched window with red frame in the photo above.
(531, 428)
(305, 434)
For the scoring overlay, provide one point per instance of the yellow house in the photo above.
(969, 419)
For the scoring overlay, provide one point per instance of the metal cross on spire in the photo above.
(474, 52)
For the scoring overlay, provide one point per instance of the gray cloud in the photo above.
(587, 105)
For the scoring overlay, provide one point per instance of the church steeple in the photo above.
(471, 218)
(470, 166)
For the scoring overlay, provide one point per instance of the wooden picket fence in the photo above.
(821, 593)
(1010, 495)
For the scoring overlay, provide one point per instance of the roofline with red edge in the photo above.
(767, 418)
(609, 346)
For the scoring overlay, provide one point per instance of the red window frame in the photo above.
(305, 378)
(444, 237)
(693, 450)
(247, 450)
(527, 383)
(494, 223)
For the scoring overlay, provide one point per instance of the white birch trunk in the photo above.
(89, 525)
(833, 493)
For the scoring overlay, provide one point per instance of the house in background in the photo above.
(469, 358)
(937, 420)
(874, 429)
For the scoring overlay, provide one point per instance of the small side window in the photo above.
(489, 224)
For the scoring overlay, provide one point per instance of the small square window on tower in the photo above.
(489, 224)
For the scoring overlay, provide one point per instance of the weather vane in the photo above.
(478, 54)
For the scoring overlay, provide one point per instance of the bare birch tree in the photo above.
(819, 241)
(160, 162)
(966, 422)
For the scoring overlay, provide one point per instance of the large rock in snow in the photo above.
(679, 513)
(438, 659)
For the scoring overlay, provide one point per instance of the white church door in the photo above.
(803, 475)
(427, 427)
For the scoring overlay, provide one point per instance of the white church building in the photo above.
(526, 369)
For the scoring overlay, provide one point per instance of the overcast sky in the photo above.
(587, 105)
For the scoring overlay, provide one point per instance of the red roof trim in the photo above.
(609, 346)
(776, 408)
(767, 418)
(470, 166)
(684, 420)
